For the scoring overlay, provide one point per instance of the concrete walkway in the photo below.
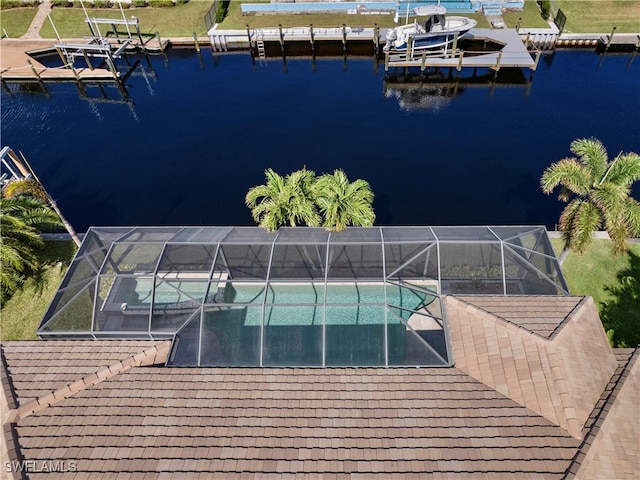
(33, 32)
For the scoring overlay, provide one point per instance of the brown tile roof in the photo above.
(305, 423)
(611, 445)
(39, 368)
(507, 410)
(542, 315)
(560, 377)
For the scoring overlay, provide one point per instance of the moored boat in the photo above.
(434, 30)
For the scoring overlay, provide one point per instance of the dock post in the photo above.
(64, 59)
(526, 42)
(159, 41)
(613, 30)
(311, 37)
(459, 67)
(424, 62)
(86, 59)
(455, 44)
(535, 64)
(281, 37)
(75, 72)
(376, 37)
(249, 37)
(409, 49)
(33, 69)
(344, 37)
(195, 39)
(386, 61)
(497, 67)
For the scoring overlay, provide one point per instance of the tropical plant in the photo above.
(21, 219)
(343, 203)
(284, 200)
(33, 188)
(598, 192)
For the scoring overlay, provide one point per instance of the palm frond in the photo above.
(592, 155)
(587, 220)
(568, 173)
(624, 170)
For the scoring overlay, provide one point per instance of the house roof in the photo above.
(111, 409)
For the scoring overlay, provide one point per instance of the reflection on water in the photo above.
(435, 90)
(184, 137)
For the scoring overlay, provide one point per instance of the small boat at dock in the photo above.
(433, 31)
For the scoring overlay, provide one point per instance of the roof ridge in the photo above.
(600, 412)
(579, 306)
(150, 356)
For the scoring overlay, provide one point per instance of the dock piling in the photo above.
(159, 42)
(376, 37)
(344, 37)
(459, 67)
(281, 34)
(311, 37)
(195, 39)
(35, 72)
(613, 30)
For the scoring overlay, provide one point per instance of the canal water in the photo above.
(192, 133)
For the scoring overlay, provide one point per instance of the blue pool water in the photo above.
(199, 131)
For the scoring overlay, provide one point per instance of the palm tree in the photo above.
(32, 187)
(21, 219)
(284, 200)
(598, 192)
(343, 203)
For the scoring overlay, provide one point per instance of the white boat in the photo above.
(434, 30)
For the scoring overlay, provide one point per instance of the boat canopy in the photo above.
(429, 10)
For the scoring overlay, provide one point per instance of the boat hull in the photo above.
(432, 40)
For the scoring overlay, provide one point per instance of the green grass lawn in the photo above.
(16, 21)
(178, 21)
(609, 280)
(22, 313)
(599, 16)
(530, 16)
(588, 273)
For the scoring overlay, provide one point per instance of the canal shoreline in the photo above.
(17, 64)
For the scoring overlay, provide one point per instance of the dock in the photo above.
(511, 52)
(18, 62)
(16, 65)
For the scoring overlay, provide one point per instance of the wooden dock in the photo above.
(18, 65)
(512, 54)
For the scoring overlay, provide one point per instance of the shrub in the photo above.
(7, 4)
(161, 3)
(545, 8)
(139, 3)
(221, 12)
(61, 3)
(101, 4)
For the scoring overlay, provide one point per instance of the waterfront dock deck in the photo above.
(18, 65)
(513, 54)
